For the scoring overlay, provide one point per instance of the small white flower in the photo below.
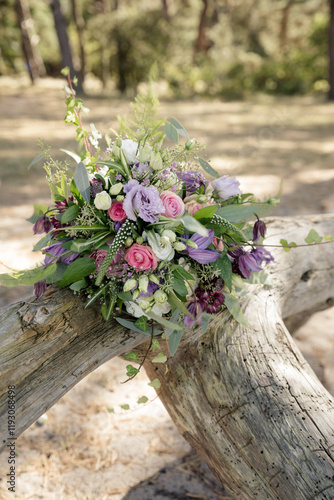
(164, 251)
(179, 246)
(169, 234)
(161, 309)
(143, 283)
(145, 153)
(144, 304)
(160, 297)
(116, 188)
(95, 135)
(129, 148)
(102, 201)
(133, 309)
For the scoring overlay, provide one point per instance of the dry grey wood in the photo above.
(47, 346)
(245, 399)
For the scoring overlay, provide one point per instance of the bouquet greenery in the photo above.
(139, 229)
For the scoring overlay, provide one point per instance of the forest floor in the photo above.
(87, 447)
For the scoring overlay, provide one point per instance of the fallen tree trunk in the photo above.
(245, 399)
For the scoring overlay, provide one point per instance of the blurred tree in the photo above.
(203, 43)
(331, 51)
(64, 44)
(34, 62)
(80, 27)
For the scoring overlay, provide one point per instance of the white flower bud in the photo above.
(190, 144)
(116, 188)
(191, 244)
(169, 234)
(140, 240)
(129, 285)
(143, 283)
(135, 294)
(164, 240)
(119, 197)
(156, 161)
(102, 201)
(144, 304)
(128, 242)
(179, 246)
(154, 279)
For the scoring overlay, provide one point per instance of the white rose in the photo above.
(133, 309)
(164, 251)
(102, 201)
(161, 309)
(160, 297)
(129, 148)
(116, 188)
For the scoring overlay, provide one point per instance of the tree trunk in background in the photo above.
(165, 9)
(202, 43)
(80, 26)
(331, 51)
(244, 398)
(35, 64)
(64, 44)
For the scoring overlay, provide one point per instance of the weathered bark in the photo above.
(46, 347)
(35, 64)
(245, 399)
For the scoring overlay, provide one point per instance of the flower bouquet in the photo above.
(141, 230)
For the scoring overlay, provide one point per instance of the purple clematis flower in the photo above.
(260, 254)
(195, 311)
(145, 200)
(193, 181)
(245, 262)
(259, 229)
(56, 251)
(42, 225)
(201, 254)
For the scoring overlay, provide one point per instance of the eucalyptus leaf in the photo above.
(174, 319)
(73, 155)
(164, 322)
(205, 321)
(181, 130)
(174, 340)
(194, 226)
(171, 132)
(78, 285)
(174, 301)
(131, 326)
(207, 168)
(234, 308)
(35, 160)
(241, 212)
(82, 181)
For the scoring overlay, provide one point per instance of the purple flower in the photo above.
(248, 264)
(210, 296)
(152, 287)
(200, 254)
(145, 200)
(117, 226)
(195, 315)
(259, 229)
(260, 254)
(140, 169)
(226, 187)
(96, 186)
(42, 225)
(56, 250)
(193, 181)
(39, 288)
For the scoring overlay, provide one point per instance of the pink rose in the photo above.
(173, 204)
(141, 256)
(116, 212)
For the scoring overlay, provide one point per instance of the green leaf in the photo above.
(174, 301)
(73, 155)
(181, 130)
(35, 160)
(125, 407)
(131, 326)
(164, 322)
(287, 246)
(125, 296)
(206, 212)
(141, 323)
(131, 371)
(313, 237)
(193, 225)
(64, 186)
(79, 268)
(39, 211)
(155, 383)
(57, 275)
(96, 295)
(239, 212)
(155, 344)
(174, 319)
(160, 358)
(173, 341)
(27, 277)
(181, 273)
(78, 285)
(42, 242)
(115, 166)
(171, 132)
(207, 168)
(132, 356)
(82, 181)
(179, 287)
(260, 278)
(76, 194)
(142, 400)
(205, 321)
(70, 214)
(225, 269)
(234, 308)
(65, 71)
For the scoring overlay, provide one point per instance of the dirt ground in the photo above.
(87, 447)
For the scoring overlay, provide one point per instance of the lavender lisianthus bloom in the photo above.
(145, 200)
(201, 254)
(226, 187)
(193, 181)
(56, 252)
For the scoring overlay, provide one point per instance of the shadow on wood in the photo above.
(245, 399)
